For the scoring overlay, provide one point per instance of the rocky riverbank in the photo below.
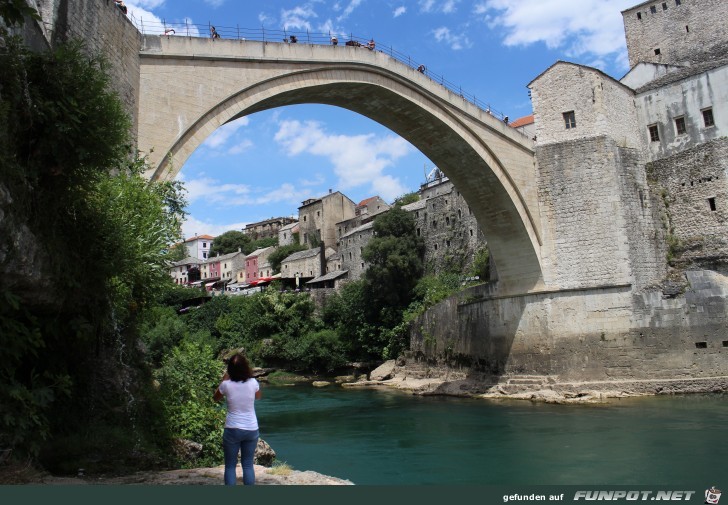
(428, 380)
(265, 476)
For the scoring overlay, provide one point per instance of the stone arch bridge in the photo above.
(189, 87)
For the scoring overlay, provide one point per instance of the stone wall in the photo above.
(680, 32)
(688, 182)
(104, 30)
(582, 335)
(601, 106)
(594, 202)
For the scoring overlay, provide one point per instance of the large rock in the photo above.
(186, 450)
(264, 454)
(383, 372)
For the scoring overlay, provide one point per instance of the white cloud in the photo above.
(586, 27)
(214, 3)
(146, 4)
(212, 191)
(446, 7)
(427, 5)
(298, 18)
(193, 225)
(150, 24)
(240, 147)
(358, 160)
(399, 11)
(388, 188)
(222, 135)
(287, 193)
(353, 4)
(456, 42)
(449, 6)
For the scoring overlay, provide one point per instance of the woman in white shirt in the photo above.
(241, 425)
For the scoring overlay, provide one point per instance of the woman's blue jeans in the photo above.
(243, 441)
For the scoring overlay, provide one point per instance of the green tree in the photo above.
(177, 252)
(14, 12)
(394, 256)
(230, 242)
(406, 199)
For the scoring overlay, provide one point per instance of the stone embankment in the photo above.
(426, 380)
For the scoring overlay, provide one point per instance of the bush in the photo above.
(188, 378)
(320, 351)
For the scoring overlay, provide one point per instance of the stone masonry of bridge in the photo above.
(190, 87)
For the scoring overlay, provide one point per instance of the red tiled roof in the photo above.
(366, 201)
(204, 237)
(522, 121)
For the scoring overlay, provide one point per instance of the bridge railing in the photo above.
(262, 34)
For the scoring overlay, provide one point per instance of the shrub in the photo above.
(188, 378)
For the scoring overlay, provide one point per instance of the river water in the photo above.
(391, 437)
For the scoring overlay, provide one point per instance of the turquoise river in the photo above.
(391, 437)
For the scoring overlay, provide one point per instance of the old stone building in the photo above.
(317, 218)
(304, 266)
(351, 248)
(287, 235)
(675, 32)
(268, 228)
(444, 220)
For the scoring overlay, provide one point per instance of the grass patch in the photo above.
(280, 468)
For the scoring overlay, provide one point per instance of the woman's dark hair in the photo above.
(239, 368)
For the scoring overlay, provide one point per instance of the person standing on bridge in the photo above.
(334, 40)
(241, 424)
(213, 33)
(371, 45)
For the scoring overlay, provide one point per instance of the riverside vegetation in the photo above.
(101, 372)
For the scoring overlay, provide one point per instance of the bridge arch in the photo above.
(488, 162)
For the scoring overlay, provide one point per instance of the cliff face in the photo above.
(25, 261)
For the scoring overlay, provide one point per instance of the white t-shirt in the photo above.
(240, 398)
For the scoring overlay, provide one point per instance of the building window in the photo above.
(471, 233)
(664, 6)
(677, 2)
(708, 118)
(362, 265)
(687, 29)
(639, 15)
(435, 247)
(680, 125)
(657, 51)
(318, 213)
(447, 220)
(711, 204)
(418, 232)
(654, 134)
(304, 219)
(434, 224)
(653, 9)
(569, 119)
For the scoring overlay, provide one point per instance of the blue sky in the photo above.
(266, 164)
